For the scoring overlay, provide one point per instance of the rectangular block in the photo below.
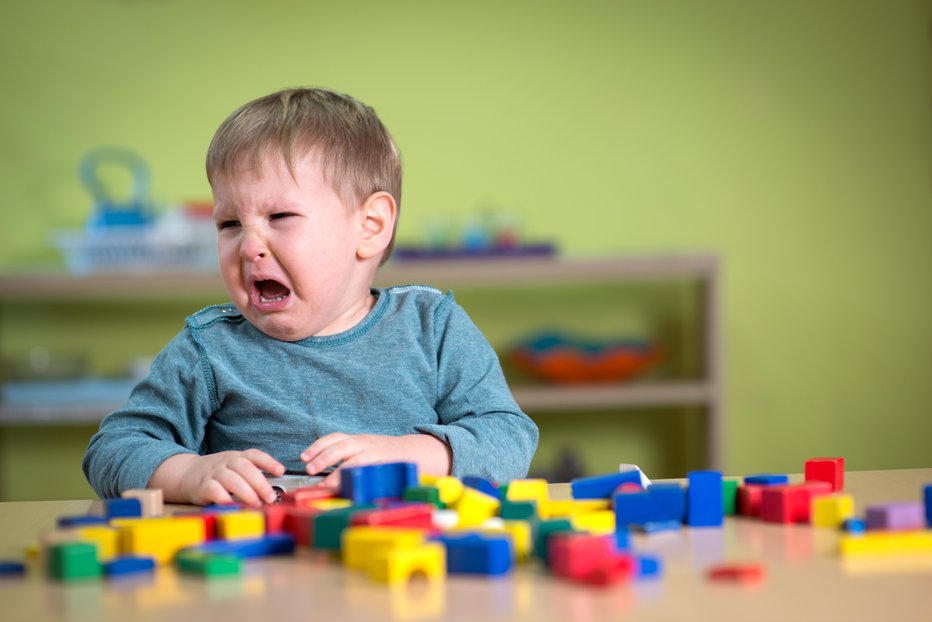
(767, 479)
(792, 503)
(667, 503)
(159, 538)
(927, 492)
(887, 543)
(831, 470)
(729, 497)
(749, 498)
(372, 482)
(602, 486)
(242, 525)
(473, 553)
(528, 490)
(900, 516)
(832, 510)
(362, 545)
(151, 499)
(704, 504)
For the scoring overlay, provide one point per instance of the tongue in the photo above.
(271, 289)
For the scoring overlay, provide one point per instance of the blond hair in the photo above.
(357, 154)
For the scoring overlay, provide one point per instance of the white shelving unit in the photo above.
(705, 392)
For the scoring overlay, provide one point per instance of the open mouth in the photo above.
(269, 291)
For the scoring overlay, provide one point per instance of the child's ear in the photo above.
(377, 224)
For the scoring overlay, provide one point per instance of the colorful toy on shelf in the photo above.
(560, 358)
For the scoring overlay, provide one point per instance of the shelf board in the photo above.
(601, 396)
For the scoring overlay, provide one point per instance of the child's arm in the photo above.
(214, 478)
(432, 455)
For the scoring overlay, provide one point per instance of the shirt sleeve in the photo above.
(489, 435)
(166, 414)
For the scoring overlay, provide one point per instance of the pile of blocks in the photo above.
(390, 523)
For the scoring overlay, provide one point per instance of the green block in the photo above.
(519, 510)
(71, 561)
(542, 533)
(208, 564)
(729, 496)
(425, 494)
(329, 526)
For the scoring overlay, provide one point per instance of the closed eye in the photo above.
(281, 215)
(227, 224)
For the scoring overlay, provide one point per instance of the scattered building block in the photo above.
(299, 522)
(242, 525)
(127, 566)
(451, 489)
(729, 496)
(518, 510)
(398, 565)
(648, 567)
(528, 490)
(704, 505)
(543, 531)
(577, 556)
(667, 503)
(886, 544)
(122, 508)
(740, 573)
(767, 479)
(10, 568)
(274, 518)
(160, 538)
(373, 482)
(424, 494)
(272, 545)
(854, 526)
(749, 499)
(927, 493)
(602, 486)
(601, 522)
(474, 507)
(209, 520)
(831, 470)
(151, 499)
(478, 553)
(901, 516)
(419, 515)
(84, 520)
(632, 508)
(791, 503)
(363, 545)
(329, 526)
(106, 539)
(482, 485)
(72, 561)
(303, 496)
(659, 526)
(832, 510)
(565, 508)
(325, 505)
(208, 565)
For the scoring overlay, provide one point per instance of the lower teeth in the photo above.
(264, 299)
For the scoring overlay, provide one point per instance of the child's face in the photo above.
(288, 250)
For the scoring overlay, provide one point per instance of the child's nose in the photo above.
(252, 247)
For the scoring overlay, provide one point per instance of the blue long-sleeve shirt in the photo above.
(415, 364)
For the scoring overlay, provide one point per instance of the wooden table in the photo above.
(806, 580)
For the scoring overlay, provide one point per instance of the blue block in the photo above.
(648, 567)
(122, 508)
(928, 498)
(668, 503)
(621, 539)
(659, 526)
(767, 479)
(10, 568)
(602, 486)
(219, 508)
(704, 499)
(367, 484)
(266, 546)
(478, 554)
(81, 521)
(483, 485)
(632, 508)
(124, 566)
(854, 526)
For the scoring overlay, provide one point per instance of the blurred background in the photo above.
(780, 150)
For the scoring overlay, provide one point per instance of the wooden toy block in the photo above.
(474, 507)
(886, 544)
(729, 496)
(397, 566)
(274, 518)
(648, 567)
(542, 533)
(565, 508)
(621, 569)
(71, 561)
(767, 479)
(577, 556)
(831, 470)
(518, 510)
(303, 496)
(329, 526)
(363, 545)
(325, 505)
(602, 486)
(122, 508)
(659, 526)
(704, 504)
(667, 502)
(419, 515)
(424, 494)
(105, 538)
(369, 483)
(483, 485)
(66, 522)
(900, 516)
(12, 568)
(126, 566)
(451, 489)
(521, 537)
(152, 500)
(528, 490)
(209, 521)
(475, 553)
(264, 546)
(299, 522)
(160, 538)
(601, 522)
(832, 510)
(854, 526)
(632, 508)
(927, 494)
(208, 565)
(749, 498)
(629, 487)
(242, 525)
(791, 503)
(741, 573)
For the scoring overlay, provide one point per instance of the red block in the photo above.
(749, 498)
(792, 503)
(629, 487)
(418, 515)
(831, 470)
(742, 573)
(274, 518)
(588, 559)
(301, 496)
(299, 522)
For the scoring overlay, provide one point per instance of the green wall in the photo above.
(792, 138)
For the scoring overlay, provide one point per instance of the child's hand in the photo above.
(214, 478)
(432, 455)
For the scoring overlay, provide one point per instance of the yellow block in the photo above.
(474, 507)
(887, 543)
(565, 508)
(427, 480)
(397, 565)
(362, 545)
(242, 525)
(832, 510)
(325, 505)
(106, 539)
(159, 538)
(451, 489)
(528, 490)
(600, 523)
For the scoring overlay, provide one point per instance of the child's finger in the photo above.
(239, 487)
(264, 461)
(214, 492)
(333, 455)
(320, 444)
(255, 478)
